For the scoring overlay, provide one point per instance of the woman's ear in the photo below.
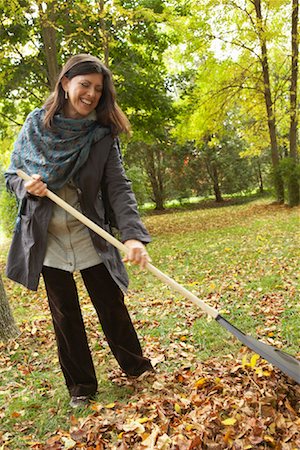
(65, 83)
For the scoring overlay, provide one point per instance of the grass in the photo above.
(195, 202)
(241, 259)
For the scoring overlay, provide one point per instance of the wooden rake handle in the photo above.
(112, 240)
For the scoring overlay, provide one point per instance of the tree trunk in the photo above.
(217, 189)
(260, 178)
(8, 328)
(278, 182)
(48, 32)
(104, 33)
(214, 176)
(153, 166)
(293, 182)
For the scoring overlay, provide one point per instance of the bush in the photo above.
(8, 212)
(139, 184)
(289, 169)
(290, 172)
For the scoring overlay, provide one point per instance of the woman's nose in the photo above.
(91, 92)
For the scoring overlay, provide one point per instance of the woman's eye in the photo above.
(84, 84)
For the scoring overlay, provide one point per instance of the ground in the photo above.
(209, 391)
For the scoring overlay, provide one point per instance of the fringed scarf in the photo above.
(55, 154)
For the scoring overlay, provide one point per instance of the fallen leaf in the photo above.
(134, 426)
(229, 421)
(110, 405)
(177, 408)
(68, 442)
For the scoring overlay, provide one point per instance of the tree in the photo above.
(8, 328)
(48, 17)
(268, 101)
(152, 159)
(293, 181)
(127, 35)
(227, 172)
(212, 57)
(250, 37)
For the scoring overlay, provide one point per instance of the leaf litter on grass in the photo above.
(238, 402)
(233, 401)
(217, 405)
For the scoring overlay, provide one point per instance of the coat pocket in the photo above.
(24, 222)
(28, 206)
(99, 207)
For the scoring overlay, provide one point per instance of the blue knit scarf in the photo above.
(55, 154)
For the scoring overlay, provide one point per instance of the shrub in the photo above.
(8, 212)
(289, 169)
(139, 184)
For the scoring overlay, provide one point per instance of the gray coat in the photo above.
(104, 194)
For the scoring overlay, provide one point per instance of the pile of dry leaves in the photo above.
(220, 405)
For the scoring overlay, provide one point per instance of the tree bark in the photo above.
(48, 32)
(214, 176)
(260, 178)
(8, 328)
(154, 170)
(217, 189)
(278, 182)
(104, 33)
(293, 183)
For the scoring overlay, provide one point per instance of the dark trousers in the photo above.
(73, 350)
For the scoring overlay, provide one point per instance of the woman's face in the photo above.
(84, 93)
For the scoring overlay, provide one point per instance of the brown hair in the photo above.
(108, 111)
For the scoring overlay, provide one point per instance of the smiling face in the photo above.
(84, 93)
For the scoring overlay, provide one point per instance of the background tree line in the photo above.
(210, 87)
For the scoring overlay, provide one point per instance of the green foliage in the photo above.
(8, 212)
(7, 136)
(226, 77)
(182, 177)
(183, 71)
(289, 169)
(153, 160)
(139, 184)
(290, 172)
(128, 36)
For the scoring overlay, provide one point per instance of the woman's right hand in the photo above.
(36, 186)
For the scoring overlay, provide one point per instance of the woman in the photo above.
(71, 146)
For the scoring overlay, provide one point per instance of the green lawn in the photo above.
(242, 260)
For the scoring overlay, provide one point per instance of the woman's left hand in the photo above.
(137, 253)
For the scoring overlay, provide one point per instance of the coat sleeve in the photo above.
(15, 185)
(121, 198)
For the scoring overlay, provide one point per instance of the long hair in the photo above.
(108, 111)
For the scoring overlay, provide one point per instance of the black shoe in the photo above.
(80, 401)
(142, 374)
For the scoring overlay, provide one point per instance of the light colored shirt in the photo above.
(69, 244)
